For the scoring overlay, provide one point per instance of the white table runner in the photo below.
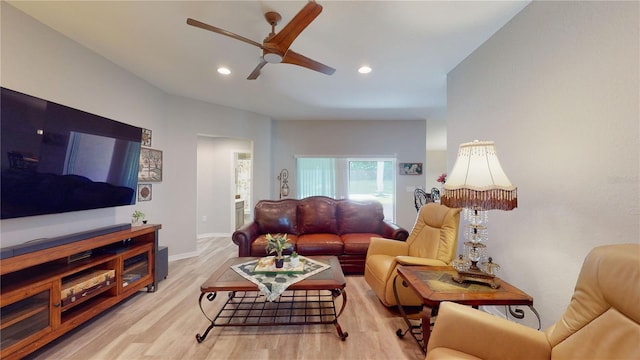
(273, 285)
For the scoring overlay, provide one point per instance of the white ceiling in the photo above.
(411, 45)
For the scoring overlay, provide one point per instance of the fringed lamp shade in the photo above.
(478, 181)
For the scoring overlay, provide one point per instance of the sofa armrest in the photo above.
(390, 230)
(387, 247)
(244, 236)
(462, 329)
(412, 260)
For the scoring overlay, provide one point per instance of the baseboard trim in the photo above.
(210, 235)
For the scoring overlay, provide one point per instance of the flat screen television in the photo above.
(57, 159)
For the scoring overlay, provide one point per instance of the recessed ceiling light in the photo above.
(224, 71)
(364, 70)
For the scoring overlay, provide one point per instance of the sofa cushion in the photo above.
(277, 217)
(357, 243)
(319, 244)
(359, 217)
(317, 215)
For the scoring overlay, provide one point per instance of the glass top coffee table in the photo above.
(307, 302)
(434, 284)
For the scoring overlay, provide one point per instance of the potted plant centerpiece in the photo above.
(277, 244)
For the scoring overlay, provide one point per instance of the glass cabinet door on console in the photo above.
(25, 315)
(136, 267)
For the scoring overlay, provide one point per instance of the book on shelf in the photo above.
(129, 278)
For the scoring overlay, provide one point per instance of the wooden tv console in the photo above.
(33, 310)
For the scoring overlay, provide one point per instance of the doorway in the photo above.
(216, 184)
(242, 184)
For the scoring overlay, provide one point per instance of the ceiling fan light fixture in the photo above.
(272, 58)
(364, 70)
(275, 47)
(224, 71)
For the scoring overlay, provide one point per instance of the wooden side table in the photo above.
(434, 284)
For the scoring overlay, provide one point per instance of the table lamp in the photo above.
(477, 183)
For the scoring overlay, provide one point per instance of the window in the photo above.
(353, 178)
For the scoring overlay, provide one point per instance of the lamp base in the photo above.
(478, 276)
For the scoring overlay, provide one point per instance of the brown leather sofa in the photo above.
(319, 225)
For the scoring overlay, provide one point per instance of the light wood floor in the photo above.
(163, 325)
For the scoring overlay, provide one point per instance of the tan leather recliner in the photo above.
(602, 320)
(433, 241)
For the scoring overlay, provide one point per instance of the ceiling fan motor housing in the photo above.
(272, 58)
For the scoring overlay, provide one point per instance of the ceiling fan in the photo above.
(275, 48)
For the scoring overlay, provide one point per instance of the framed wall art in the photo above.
(146, 137)
(150, 169)
(144, 192)
(410, 168)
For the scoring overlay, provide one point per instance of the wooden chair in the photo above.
(420, 197)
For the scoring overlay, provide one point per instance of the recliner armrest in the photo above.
(412, 260)
(387, 247)
(462, 329)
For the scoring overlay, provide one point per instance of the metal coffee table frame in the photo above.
(308, 302)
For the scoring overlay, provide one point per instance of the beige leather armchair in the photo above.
(433, 241)
(602, 320)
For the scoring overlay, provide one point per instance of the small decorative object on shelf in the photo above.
(492, 267)
(138, 216)
(277, 244)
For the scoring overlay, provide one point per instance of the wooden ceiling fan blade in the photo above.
(283, 39)
(292, 57)
(208, 27)
(256, 72)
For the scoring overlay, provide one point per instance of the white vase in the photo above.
(295, 261)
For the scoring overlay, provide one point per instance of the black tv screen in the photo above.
(58, 159)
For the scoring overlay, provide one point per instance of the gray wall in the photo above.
(557, 89)
(38, 61)
(404, 140)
